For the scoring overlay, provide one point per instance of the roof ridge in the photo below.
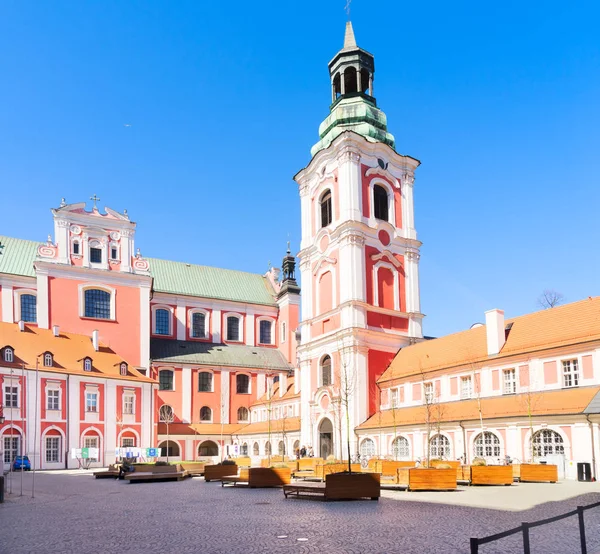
(205, 266)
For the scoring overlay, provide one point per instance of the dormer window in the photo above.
(87, 364)
(48, 360)
(123, 369)
(9, 355)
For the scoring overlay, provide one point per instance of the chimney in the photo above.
(55, 330)
(95, 339)
(21, 325)
(494, 326)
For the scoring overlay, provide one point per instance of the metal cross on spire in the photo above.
(347, 8)
(95, 199)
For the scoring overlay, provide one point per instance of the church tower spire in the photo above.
(353, 105)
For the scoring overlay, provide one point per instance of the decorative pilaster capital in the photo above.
(349, 155)
(352, 236)
(412, 255)
(126, 233)
(408, 179)
(304, 190)
(62, 223)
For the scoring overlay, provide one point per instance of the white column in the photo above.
(42, 300)
(216, 325)
(261, 385)
(73, 401)
(282, 384)
(189, 450)
(296, 380)
(250, 322)
(61, 237)
(305, 399)
(126, 249)
(186, 394)
(350, 185)
(408, 206)
(225, 395)
(180, 318)
(145, 326)
(8, 308)
(307, 214)
(358, 361)
(110, 422)
(146, 415)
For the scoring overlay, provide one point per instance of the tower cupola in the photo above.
(353, 106)
(288, 281)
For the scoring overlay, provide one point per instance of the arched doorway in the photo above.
(169, 449)
(325, 438)
(208, 448)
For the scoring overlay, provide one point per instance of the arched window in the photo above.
(162, 319)
(400, 448)
(233, 328)
(123, 369)
(380, 203)
(325, 205)
(265, 335)
(169, 448)
(242, 384)
(439, 447)
(255, 449)
(48, 361)
(205, 414)
(367, 448)
(547, 442)
(281, 448)
(87, 364)
(326, 371)
(95, 252)
(268, 448)
(166, 414)
(487, 445)
(97, 303)
(208, 448)
(244, 449)
(199, 325)
(8, 354)
(28, 308)
(205, 381)
(165, 379)
(242, 414)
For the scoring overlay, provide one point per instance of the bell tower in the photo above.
(359, 257)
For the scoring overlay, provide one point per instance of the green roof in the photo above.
(210, 282)
(216, 355)
(17, 256)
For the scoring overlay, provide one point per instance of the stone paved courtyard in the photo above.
(73, 512)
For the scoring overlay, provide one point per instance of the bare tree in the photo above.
(428, 405)
(530, 402)
(550, 298)
(347, 385)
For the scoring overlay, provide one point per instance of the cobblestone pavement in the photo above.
(73, 512)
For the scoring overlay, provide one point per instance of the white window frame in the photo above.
(128, 439)
(78, 241)
(86, 364)
(97, 243)
(226, 317)
(273, 330)
(129, 403)
(123, 367)
(88, 396)
(48, 356)
(58, 449)
(391, 204)
(172, 373)
(571, 372)
(11, 384)
(320, 370)
(17, 302)
(387, 265)
(513, 382)
(397, 454)
(466, 392)
(94, 439)
(212, 381)
(327, 186)
(249, 382)
(56, 397)
(206, 322)
(428, 392)
(171, 311)
(247, 420)
(115, 245)
(113, 302)
(8, 354)
(394, 397)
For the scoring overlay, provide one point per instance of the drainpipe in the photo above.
(593, 448)
(465, 462)
(68, 441)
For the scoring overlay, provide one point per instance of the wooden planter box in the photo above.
(531, 473)
(327, 469)
(349, 486)
(269, 476)
(427, 479)
(216, 472)
(193, 468)
(454, 464)
(491, 475)
(463, 473)
(242, 461)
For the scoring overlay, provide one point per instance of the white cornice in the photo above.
(214, 304)
(89, 274)
(7, 279)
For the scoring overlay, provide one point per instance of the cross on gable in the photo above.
(95, 199)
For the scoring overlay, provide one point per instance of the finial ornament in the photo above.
(288, 247)
(63, 203)
(94, 199)
(347, 8)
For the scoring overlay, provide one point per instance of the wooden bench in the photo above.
(240, 479)
(306, 468)
(112, 472)
(217, 472)
(260, 477)
(193, 469)
(158, 473)
(338, 486)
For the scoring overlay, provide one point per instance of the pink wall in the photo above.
(550, 373)
(588, 368)
(454, 386)
(289, 313)
(385, 288)
(416, 391)
(524, 375)
(495, 380)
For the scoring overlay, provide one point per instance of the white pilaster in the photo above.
(225, 396)
(261, 385)
(282, 384)
(186, 395)
(146, 416)
(216, 325)
(61, 237)
(306, 217)
(8, 308)
(126, 249)
(73, 401)
(42, 299)
(145, 326)
(408, 207)
(296, 380)
(250, 323)
(349, 188)
(180, 318)
(110, 427)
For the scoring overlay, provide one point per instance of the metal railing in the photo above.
(525, 527)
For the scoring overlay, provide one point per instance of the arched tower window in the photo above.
(380, 203)
(242, 414)
(325, 205)
(350, 82)
(326, 371)
(205, 414)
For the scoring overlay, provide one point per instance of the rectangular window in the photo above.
(165, 380)
(466, 387)
(96, 255)
(76, 248)
(199, 325)
(53, 450)
(394, 399)
(91, 442)
(29, 308)
(233, 328)
(265, 332)
(570, 373)
(128, 443)
(11, 397)
(113, 253)
(11, 448)
(128, 403)
(510, 381)
(162, 322)
(52, 400)
(428, 393)
(91, 402)
(205, 382)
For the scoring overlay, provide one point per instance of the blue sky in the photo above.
(498, 101)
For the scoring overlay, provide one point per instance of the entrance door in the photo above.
(325, 439)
